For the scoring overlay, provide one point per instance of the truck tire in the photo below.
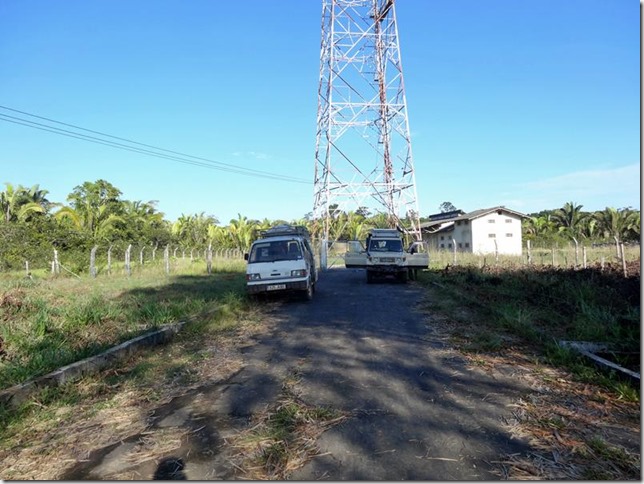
(402, 277)
(308, 293)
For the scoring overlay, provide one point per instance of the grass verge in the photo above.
(49, 323)
(581, 423)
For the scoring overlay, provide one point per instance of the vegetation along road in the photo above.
(383, 381)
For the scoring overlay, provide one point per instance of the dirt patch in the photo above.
(578, 430)
(120, 405)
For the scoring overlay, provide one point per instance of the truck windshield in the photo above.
(385, 246)
(271, 251)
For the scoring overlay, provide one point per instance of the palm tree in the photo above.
(18, 203)
(569, 218)
(99, 226)
(356, 227)
(192, 230)
(242, 231)
(618, 223)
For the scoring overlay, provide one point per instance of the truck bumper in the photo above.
(386, 269)
(276, 286)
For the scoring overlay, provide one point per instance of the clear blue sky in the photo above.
(516, 103)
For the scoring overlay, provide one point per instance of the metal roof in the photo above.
(469, 216)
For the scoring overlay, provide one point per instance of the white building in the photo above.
(484, 231)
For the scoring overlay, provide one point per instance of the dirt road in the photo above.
(414, 409)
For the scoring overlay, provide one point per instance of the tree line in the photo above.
(96, 215)
(570, 222)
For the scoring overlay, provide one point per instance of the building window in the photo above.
(491, 221)
(467, 245)
(442, 246)
(492, 236)
(458, 222)
(449, 246)
(509, 235)
(508, 220)
(460, 246)
(466, 222)
(442, 237)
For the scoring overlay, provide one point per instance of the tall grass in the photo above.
(540, 307)
(564, 257)
(50, 322)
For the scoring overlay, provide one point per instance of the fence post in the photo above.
(621, 246)
(56, 265)
(601, 263)
(496, 251)
(27, 269)
(583, 251)
(141, 255)
(191, 254)
(209, 259)
(166, 259)
(529, 253)
(576, 253)
(154, 250)
(128, 268)
(616, 245)
(453, 251)
(183, 253)
(553, 257)
(174, 253)
(92, 261)
(109, 260)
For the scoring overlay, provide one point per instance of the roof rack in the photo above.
(285, 229)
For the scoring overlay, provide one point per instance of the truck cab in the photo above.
(281, 261)
(384, 255)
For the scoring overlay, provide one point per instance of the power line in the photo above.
(159, 153)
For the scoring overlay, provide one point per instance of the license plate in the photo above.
(386, 259)
(275, 287)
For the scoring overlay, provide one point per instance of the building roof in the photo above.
(435, 225)
(485, 211)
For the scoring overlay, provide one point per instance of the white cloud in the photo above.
(594, 189)
(257, 155)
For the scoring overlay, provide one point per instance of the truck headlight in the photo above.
(299, 273)
(253, 277)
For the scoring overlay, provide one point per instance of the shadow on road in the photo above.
(416, 411)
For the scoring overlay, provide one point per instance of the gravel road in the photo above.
(416, 410)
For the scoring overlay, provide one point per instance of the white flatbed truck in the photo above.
(384, 255)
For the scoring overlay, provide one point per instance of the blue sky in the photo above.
(516, 103)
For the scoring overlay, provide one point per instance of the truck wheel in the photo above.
(308, 293)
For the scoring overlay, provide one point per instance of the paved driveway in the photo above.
(416, 410)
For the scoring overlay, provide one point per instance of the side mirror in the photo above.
(246, 256)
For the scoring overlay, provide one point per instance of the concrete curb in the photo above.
(19, 394)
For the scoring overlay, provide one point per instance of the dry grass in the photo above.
(117, 403)
(577, 430)
(282, 438)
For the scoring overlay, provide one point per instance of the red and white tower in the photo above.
(363, 154)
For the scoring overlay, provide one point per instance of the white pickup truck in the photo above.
(282, 260)
(384, 255)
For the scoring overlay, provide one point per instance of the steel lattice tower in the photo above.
(363, 146)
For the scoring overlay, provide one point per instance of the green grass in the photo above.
(541, 257)
(539, 308)
(48, 323)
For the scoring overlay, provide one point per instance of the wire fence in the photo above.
(567, 256)
(122, 259)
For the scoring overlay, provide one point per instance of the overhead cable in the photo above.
(153, 151)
